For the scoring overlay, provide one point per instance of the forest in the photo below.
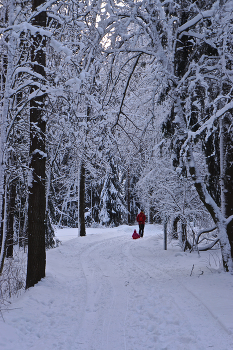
(108, 107)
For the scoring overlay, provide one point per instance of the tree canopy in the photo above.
(110, 106)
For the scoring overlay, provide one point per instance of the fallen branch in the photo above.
(204, 231)
(208, 246)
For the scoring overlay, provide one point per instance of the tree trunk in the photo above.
(222, 166)
(49, 233)
(8, 69)
(4, 234)
(175, 228)
(128, 196)
(37, 200)
(82, 228)
(226, 173)
(228, 132)
(214, 211)
(23, 223)
(10, 219)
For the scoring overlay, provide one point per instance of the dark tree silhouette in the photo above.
(82, 228)
(37, 200)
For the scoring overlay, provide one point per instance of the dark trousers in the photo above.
(141, 229)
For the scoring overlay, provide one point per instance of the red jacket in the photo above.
(141, 218)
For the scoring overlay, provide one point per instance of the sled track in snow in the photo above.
(118, 304)
(102, 300)
(106, 292)
(219, 330)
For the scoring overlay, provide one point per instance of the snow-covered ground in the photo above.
(106, 291)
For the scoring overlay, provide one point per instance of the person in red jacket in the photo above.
(141, 218)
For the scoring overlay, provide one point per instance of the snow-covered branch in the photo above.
(204, 231)
(195, 20)
(229, 220)
(208, 246)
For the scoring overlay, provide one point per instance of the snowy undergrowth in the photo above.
(12, 279)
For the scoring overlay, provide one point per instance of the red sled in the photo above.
(135, 235)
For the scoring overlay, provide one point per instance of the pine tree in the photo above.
(113, 207)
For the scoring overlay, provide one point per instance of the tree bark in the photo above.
(214, 211)
(4, 234)
(37, 200)
(10, 219)
(229, 175)
(8, 69)
(82, 228)
(128, 196)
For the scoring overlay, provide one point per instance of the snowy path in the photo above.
(109, 292)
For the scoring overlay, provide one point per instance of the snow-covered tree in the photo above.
(112, 203)
(203, 53)
(184, 48)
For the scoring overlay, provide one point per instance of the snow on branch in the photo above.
(199, 36)
(200, 186)
(139, 50)
(40, 153)
(24, 27)
(229, 220)
(28, 71)
(195, 20)
(58, 47)
(208, 246)
(210, 122)
(204, 231)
